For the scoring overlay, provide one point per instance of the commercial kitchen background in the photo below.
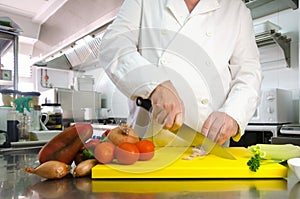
(44, 42)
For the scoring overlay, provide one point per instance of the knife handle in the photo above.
(145, 103)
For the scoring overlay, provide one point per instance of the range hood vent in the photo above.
(81, 54)
(85, 51)
(275, 50)
(260, 8)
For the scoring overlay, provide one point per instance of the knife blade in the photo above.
(203, 142)
(207, 144)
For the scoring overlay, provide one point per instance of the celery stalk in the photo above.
(275, 151)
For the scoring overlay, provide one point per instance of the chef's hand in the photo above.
(219, 127)
(167, 108)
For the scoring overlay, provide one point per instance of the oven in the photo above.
(257, 134)
(288, 134)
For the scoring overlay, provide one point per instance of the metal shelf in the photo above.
(272, 37)
(260, 8)
(9, 39)
(6, 83)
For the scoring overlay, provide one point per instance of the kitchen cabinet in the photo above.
(260, 8)
(8, 40)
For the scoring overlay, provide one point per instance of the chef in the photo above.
(196, 60)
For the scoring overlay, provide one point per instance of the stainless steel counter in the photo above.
(14, 183)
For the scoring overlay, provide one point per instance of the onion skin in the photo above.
(84, 168)
(122, 134)
(51, 170)
(64, 146)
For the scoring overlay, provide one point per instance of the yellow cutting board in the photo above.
(186, 185)
(168, 163)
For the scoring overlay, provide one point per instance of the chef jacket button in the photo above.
(204, 101)
(164, 31)
(208, 33)
(208, 63)
(163, 61)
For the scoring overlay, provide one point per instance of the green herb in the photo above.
(254, 162)
(87, 154)
(270, 154)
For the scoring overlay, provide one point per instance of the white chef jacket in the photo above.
(139, 51)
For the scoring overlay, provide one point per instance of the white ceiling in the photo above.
(50, 25)
(36, 10)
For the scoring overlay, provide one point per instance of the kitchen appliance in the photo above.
(3, 115)
(74, 103)
(276, 107)
(288, 134)
(257, 134)
(52, 114)
(274, 111)
(168, 163)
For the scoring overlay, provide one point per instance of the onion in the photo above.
(122, 134)
(84, 168)
(51, 169)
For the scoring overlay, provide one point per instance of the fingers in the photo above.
(177, 122)
(219, 127)
(167, 106)
(169, 120)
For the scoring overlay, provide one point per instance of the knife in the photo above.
(203, 141)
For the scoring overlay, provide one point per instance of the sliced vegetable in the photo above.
(275, 152)
(52, 169)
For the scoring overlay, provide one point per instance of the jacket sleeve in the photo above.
(246, 74)
(133, 74)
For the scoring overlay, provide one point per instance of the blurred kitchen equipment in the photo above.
(85, 83)
(288, 134)
(274, 111)
(72, 102)
(22, 106)
(89, 114)
(12, 129)
(104, 112)
(35, 118)
(52, 115)
(8, 96)
(34, 96)
(294, 165)
(23, 126)
(43, 123)
(276, 107)
(3, 115)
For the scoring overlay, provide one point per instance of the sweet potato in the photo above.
(64, 146)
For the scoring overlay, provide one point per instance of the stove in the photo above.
(288, 134)
(257, 134)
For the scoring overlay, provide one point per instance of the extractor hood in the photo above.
(80, 55)
(260, 8)
(83, 53)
